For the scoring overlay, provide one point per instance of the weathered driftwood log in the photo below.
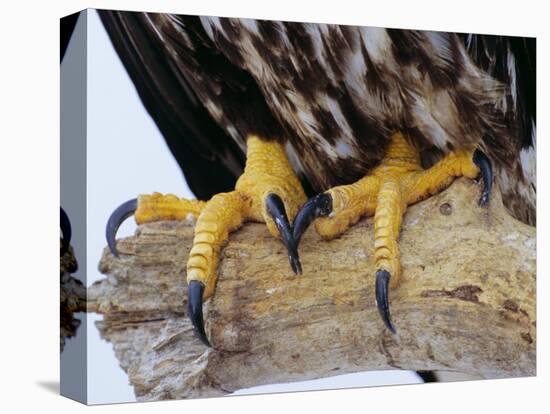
(466, 303)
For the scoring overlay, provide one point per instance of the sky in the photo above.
(127, 156)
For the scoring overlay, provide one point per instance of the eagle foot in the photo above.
(268, 191)
(398, 181)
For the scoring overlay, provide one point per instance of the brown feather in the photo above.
(333, 94)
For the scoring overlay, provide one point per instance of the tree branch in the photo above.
(466, 303)
(72, 297)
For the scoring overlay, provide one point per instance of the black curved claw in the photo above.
(65, 225)
(382, 283)
(195, 291)
(318, 206)
(118, 216)
(486, 169)
(427, 376)
(276, 208)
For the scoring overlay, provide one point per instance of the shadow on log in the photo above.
(466, 303)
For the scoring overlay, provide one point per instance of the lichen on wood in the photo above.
(465, 303)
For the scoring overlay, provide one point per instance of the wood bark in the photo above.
(466, 302)
(72, 297)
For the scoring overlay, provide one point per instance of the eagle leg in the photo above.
(398, 181)
(268, 191)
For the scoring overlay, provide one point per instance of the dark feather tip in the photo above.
(65, 225)
(317, 206)
(195, 291)
(295, 264)
(276, 209)
(382, 302)
(486, 173)
(118, 216)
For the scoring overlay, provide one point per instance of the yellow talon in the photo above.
(398, 181)
(268, 191)
(267, 171)
(223, 214)
(156, 207)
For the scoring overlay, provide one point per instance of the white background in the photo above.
(30, 186)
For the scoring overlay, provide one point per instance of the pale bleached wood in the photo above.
(466, 303)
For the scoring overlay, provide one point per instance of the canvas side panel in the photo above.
(73, 189)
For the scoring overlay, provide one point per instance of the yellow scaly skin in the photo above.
(386, 192)
(267, 171)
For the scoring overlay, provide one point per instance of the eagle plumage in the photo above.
(332, 94)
